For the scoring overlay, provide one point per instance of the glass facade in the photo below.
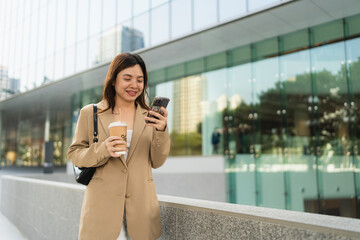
(46, 40)
(283, 111)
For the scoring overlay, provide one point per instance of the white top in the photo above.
(128, 141)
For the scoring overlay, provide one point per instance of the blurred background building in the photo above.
(278, 80)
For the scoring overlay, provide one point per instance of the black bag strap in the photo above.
(95, 124)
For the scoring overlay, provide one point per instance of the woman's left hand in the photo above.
(159, 124)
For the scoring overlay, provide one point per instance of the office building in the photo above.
(279, 80)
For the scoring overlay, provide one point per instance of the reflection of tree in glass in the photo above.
(322, 105)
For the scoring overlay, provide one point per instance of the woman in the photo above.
(121, 194)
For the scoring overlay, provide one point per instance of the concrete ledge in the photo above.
(51, 210)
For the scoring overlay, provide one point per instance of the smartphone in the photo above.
(157, 103)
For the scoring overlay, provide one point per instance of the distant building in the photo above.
(118, 39)
(4, 83)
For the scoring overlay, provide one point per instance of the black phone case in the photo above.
(158, 102)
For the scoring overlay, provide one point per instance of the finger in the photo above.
(119, 149)
(153, 120)
(156, 114)
(118, 142)
(113, 138)
(165, 111)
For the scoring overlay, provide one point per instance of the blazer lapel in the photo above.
(139, 126)
(105, 118)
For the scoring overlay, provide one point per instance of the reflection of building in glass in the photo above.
(118, 39)
(14, 85)
(4, 83)
(187, 107)
(285, 95)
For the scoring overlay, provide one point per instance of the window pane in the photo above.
(107, 48)
(60, 25)
(42, 33)
(124, 38)
(180, 17)
(95, 17)
(141, 28)
(204, 16)
(51, 28)
(81, 56)
(141, 6)
(124, 10)
(231, 8)
(328, 32)
(160, 24)
(240, 107)
(93, 58)
(330, 104)
(39, 73)
(26, 44)
(59, 65)
(296, 82)
(33, 37)
(155, 3)
(49, 69)
(109, 10)
(268, 121)
(213, 104)
(256, 4)
(69, 60)
(71, 22)
(82, 20)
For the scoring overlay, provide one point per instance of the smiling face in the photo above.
(129, 84)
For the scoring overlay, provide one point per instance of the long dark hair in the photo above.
(119, 63)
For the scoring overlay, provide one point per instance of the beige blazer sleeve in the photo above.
(82, 151)
(160, 148)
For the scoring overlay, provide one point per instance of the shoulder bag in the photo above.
(83, 175)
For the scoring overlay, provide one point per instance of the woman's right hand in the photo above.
(110, 143)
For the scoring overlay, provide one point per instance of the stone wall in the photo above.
(51, 210)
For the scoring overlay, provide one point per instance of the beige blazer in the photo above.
(118, 184)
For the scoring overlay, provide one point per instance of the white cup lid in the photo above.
(117, 124)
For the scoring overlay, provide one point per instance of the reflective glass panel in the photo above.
(42, 34)
(40, 70)
(205, 13)
(95, 17)
(59, 65)
(160, 24)
(81, 56)
(141, 29)
(299, 160)
(71, 15)
(267, 117)
(109, 14)
(141, 6)
(180, 17)
(93, 54)
(82, 20)
(231, 8)
(69, 60)
(353, 66)
(213, 104)
(60, 25)
(240, 173)
(124, 10)
(51, 28)
(256, 4)
(49, 69)
(155, 3)
(331, 109)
